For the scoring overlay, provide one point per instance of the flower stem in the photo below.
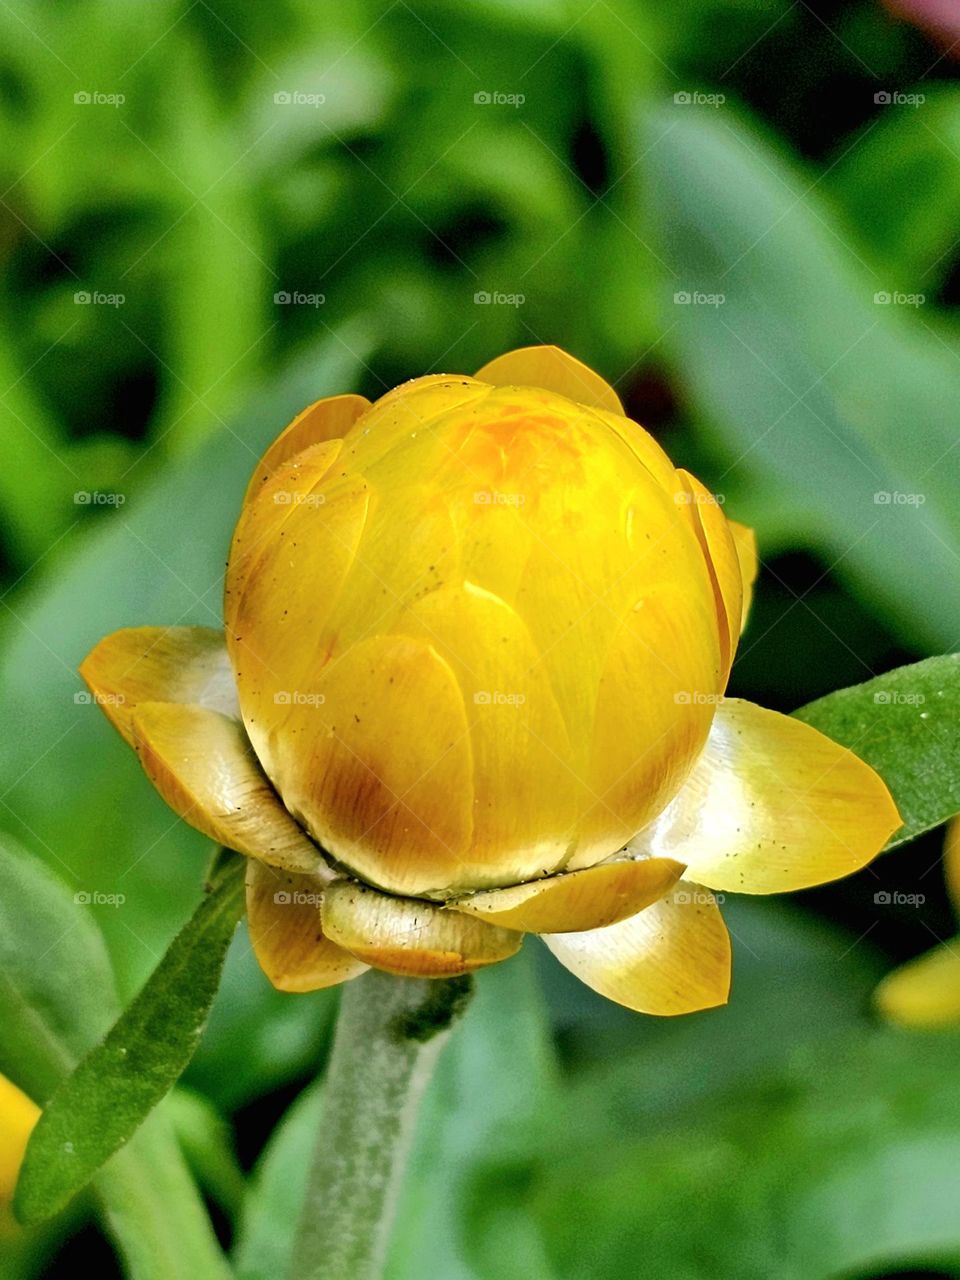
(389, 1035)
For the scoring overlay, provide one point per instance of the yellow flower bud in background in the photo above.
(477, 640)
(18, 1115)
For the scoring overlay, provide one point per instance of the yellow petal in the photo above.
(288, 563)
(925, 992)
(772, 805)
(723, 562)
(405, 411)
(324, 420)
(159, 664)
(516, 731)
(18, 1115)
(283, 916)
(746, 543)
(674, 957)
(379, 768)
(408, 936)
(576, 900)
(951, 862)
(554, 370)
(203, 766)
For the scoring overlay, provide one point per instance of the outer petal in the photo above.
(555, 370)
(772, 805)
(283, 915)
(720, 552)
(576, 900)
(324, 420)
(746, 543)
(924, 992)
(674, 957)
(408, 936)
(159, 664)
(203, 766)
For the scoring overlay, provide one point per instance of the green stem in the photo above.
(389, 1035)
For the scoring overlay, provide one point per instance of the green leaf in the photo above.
(904, 724)
(845, 1162)
(807, 382)
(57, 993)
(115, 1087)
(206, 1139)
(876, 180)
(151, 1208)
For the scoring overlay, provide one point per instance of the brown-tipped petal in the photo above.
(674, 957)
(554, 370)
(327, 419)
(745, 541)
(723, 563)
(205, 769)
(577, 900)
(925, 992)
(159, 664)
(283, 916)
(408, 936)
(772, 805)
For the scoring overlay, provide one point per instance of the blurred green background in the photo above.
(744, 214)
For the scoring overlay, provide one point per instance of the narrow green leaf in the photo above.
(904, 724)
(117, 1085)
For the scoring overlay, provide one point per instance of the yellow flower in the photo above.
(477, 637)
(18, 1115)
(925, 992)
